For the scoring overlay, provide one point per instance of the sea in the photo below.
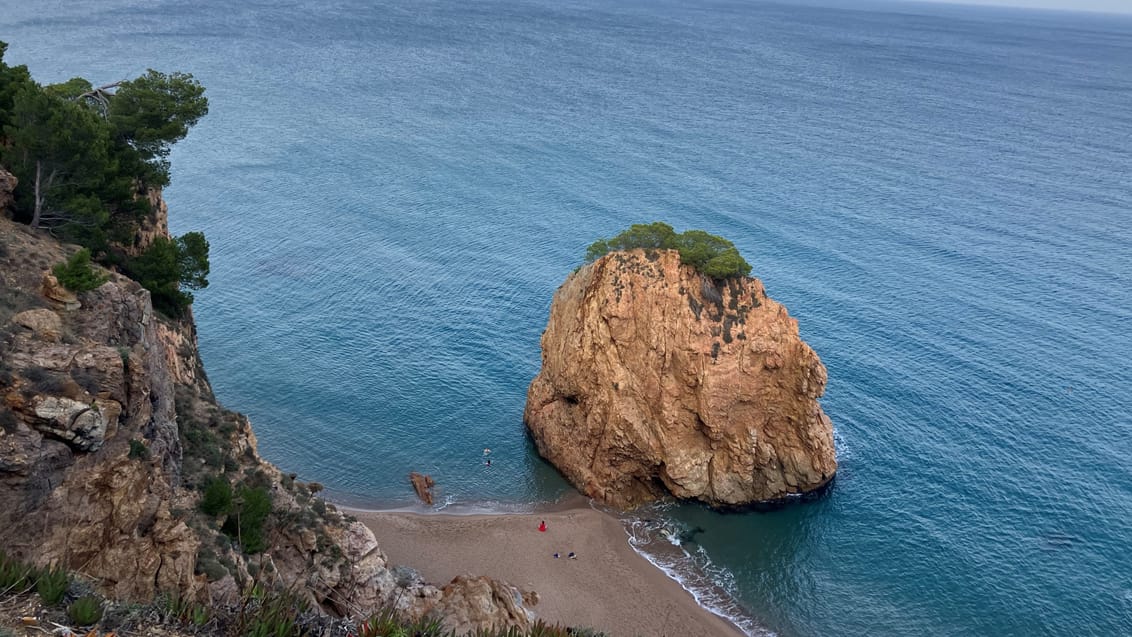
(940, 194)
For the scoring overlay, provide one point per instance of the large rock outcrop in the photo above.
(77, 388)
(657, 380)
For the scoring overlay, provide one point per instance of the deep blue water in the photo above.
(941, 196)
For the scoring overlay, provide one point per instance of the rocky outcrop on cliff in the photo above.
(109, 431)
(657, 380)
(77, 386)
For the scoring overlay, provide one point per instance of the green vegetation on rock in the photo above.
(85, 611)
(709, 254)
(170, 265)
(14, 575)
(88, 159)
(247, 510)
(217, 498)
(76, 274)
(138, 450)
(250, 510)
(52, 585)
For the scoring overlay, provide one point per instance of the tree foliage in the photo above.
(167, 266)
(246, 522)
(710, 254)
(77, 275)
(57, 149)
(86, 158)
(192, 260)
(72, 89)
(217, 498)
(12, 79)
(153, 112)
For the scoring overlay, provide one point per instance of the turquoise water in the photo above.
(940, 195)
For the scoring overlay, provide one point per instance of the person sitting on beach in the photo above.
(572, 555)
(542, 526)
(556, 556)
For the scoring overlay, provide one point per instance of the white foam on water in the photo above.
(712, 586)
(453, 506)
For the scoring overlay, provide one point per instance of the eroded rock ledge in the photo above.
(656, 380)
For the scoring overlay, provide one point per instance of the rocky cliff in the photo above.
(109, 432)
(657, 380)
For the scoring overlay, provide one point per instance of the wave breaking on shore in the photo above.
(669, 546)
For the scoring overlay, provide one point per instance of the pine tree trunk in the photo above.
(38, 195)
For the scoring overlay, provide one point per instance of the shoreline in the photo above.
(609, 586)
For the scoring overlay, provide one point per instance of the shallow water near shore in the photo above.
(940, 195)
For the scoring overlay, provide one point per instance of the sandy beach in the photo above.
(608, 587)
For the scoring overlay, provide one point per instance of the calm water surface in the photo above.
(393, 190)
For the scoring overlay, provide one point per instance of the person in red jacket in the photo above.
(542, 526)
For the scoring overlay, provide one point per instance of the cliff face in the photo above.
(656, 380)
(108, 432)
(77, 386)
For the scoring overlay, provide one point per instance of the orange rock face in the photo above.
(657, 380)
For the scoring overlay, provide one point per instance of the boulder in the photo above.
(55, 291)
(84, 427)
(44, 324)
(657, 380)
(423, 485)
(474, 603)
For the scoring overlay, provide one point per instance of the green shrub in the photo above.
(212, 569)
(15, 576)
(138, 450)
(709, 254)
(217, 499)
(387, 624)
(167, 266)
(246, 523)
(319, 507)
(582, 631)
(85, 610)
(77, 275)
(52, 585)
(199, 615)
(271, 614)
(205, 452)
(173, 606)
(185, 611)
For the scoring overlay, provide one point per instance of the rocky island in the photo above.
(660, 379)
